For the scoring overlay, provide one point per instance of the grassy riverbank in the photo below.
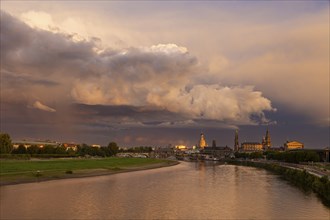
(22, 171)
(302, 179)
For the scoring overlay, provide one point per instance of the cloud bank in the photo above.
(163, 77)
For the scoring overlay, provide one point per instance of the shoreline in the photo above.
(300, 178)
(83, 173)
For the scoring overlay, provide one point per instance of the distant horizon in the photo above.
(209, 142)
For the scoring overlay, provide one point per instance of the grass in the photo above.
(15, 171)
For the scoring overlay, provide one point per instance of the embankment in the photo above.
(300, 178)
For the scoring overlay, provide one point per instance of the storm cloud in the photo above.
(153, 79)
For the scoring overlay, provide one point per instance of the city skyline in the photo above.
(154, 73)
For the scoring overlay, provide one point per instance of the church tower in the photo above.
(214, 144)
(266, 142)
(202, 141)
(236, 145)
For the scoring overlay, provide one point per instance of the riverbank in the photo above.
(300, 178)
(18, 171)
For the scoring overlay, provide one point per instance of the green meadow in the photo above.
(16, 171)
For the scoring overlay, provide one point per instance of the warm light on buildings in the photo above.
(180, 147)
(293, 145)
(202, 141)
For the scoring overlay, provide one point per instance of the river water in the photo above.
(185, 191)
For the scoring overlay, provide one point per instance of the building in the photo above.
(39, 144)
(202, 141)
(251, 146)
(214, 144)
(289, 145)
(96, 145)
(266, 141)
(236, 144)
(181, 148)
(163, 152)
(70, 146)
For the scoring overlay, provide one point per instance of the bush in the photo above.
(294, 156)
(37, 173)
(15, 156)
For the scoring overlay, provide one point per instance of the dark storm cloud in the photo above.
(116, 111)
(125, 116)
(39, 52)
(154, 86)
(15, 79)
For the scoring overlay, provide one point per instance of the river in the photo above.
(185, 191)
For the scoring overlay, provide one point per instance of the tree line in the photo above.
(287, 156)
(140, 149)
(294, 156)
(6, 147)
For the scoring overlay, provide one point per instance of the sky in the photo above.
(161, 72)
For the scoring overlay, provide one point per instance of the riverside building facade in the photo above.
(289, 145)
(253, 146)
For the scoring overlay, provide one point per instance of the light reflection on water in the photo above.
(186, 191)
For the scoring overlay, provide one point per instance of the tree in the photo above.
(83, 149)
(47, 149)
(312, 156)
(113, 147)
(60, 150)
(20, 150)
(5, 143)
(71, 152)
(33, 149)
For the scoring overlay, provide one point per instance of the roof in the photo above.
(293, 142)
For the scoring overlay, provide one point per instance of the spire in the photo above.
(202, 141)
(236, 145)
(267, 141)
(214, 144)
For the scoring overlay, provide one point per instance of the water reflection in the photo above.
(186, 191)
